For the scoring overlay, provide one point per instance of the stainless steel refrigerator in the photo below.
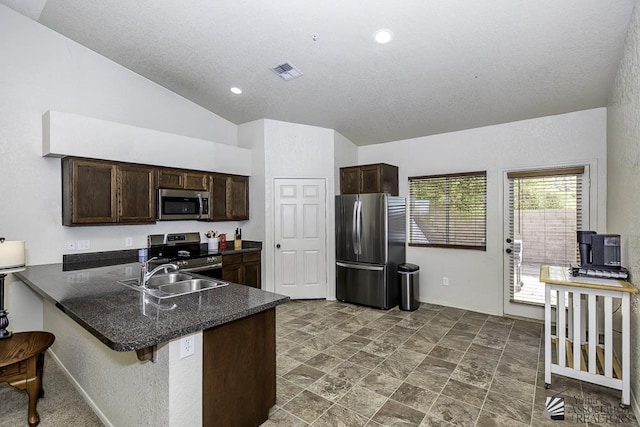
(370, 243)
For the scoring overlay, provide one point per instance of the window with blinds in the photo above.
(545, 211)
(448, 210)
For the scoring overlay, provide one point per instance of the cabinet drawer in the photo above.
(231, 259)
(250, 256)
(8, 371)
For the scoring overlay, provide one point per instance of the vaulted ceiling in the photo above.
(451, 64)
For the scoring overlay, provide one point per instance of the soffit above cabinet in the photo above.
(66, 134)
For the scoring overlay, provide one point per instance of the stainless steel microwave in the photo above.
(182, 204)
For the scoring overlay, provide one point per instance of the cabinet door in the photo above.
(350, 180)
(251, 272)
(237, 197)
(371, 179)
(232, 273)
(195, 181)
(89, 192)
(136, 194)
(218, 199)
(170, 178)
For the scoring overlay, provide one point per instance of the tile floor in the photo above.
(346, 365)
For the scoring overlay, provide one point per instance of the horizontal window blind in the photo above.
(545, 211)
(448, 210)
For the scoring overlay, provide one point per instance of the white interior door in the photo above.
(300, 238)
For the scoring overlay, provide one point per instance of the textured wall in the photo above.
(623, 189)
(476, 277)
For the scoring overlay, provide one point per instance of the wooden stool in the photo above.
(21, 365)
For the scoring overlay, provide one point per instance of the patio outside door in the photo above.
(543, 211)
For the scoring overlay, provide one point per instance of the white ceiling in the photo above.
(452, 65)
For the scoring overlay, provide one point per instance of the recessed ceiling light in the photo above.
(383, 36)
(236, 90)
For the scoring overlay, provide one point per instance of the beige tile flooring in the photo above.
(346, 365)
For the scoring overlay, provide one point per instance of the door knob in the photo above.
(278, 246)
(508, 251)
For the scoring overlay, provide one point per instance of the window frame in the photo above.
(448, 176)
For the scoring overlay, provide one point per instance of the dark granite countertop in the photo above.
(119, 316)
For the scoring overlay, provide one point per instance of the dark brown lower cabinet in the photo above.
(239, 371)
(243, 268)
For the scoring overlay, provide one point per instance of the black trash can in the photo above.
(409, 286)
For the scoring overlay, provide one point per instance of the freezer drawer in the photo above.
(363, 284)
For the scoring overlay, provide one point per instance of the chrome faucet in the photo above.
(145, 274)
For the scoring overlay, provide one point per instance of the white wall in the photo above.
(41, 71)
(476, 278)
(623, 189)
(346, 154)
(251, 136)
(297, 151)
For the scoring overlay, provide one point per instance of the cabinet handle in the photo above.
(508, 251)
(278, 246)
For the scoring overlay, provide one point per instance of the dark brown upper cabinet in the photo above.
(229, 199)
(101, 192)
(374, 178)
(88, 192)
(181, 179)
(136, 194)
(98, 192)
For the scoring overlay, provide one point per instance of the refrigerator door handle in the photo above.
(360, 266)
(354, 229)
(359, 226)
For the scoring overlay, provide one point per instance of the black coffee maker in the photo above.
(599, 256)
(599, 250)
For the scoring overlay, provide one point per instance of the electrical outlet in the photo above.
(128, 241)
(445, 281)
(187, 347)
(83, 244)
(71, 245)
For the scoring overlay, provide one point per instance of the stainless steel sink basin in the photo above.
(189, 286)
(171, 285)
(163, 279)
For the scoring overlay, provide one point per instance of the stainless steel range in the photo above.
(186, 251)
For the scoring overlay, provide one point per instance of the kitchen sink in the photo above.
(171, 285)
(189, 286)
(162, 279)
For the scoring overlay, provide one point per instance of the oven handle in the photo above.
(203, 268)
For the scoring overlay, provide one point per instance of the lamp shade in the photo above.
(11, 256)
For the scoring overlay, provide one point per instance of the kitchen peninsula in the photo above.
(105, 331)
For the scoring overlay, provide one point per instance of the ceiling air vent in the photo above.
(287, 71)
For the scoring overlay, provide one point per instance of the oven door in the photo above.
(182, 204)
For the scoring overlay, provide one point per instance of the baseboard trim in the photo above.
(80, 390)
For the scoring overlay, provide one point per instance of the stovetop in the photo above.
(183, 249)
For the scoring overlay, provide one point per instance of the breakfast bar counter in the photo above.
(124, 320)
(205, 358)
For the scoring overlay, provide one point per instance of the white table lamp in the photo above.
(11, 261)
